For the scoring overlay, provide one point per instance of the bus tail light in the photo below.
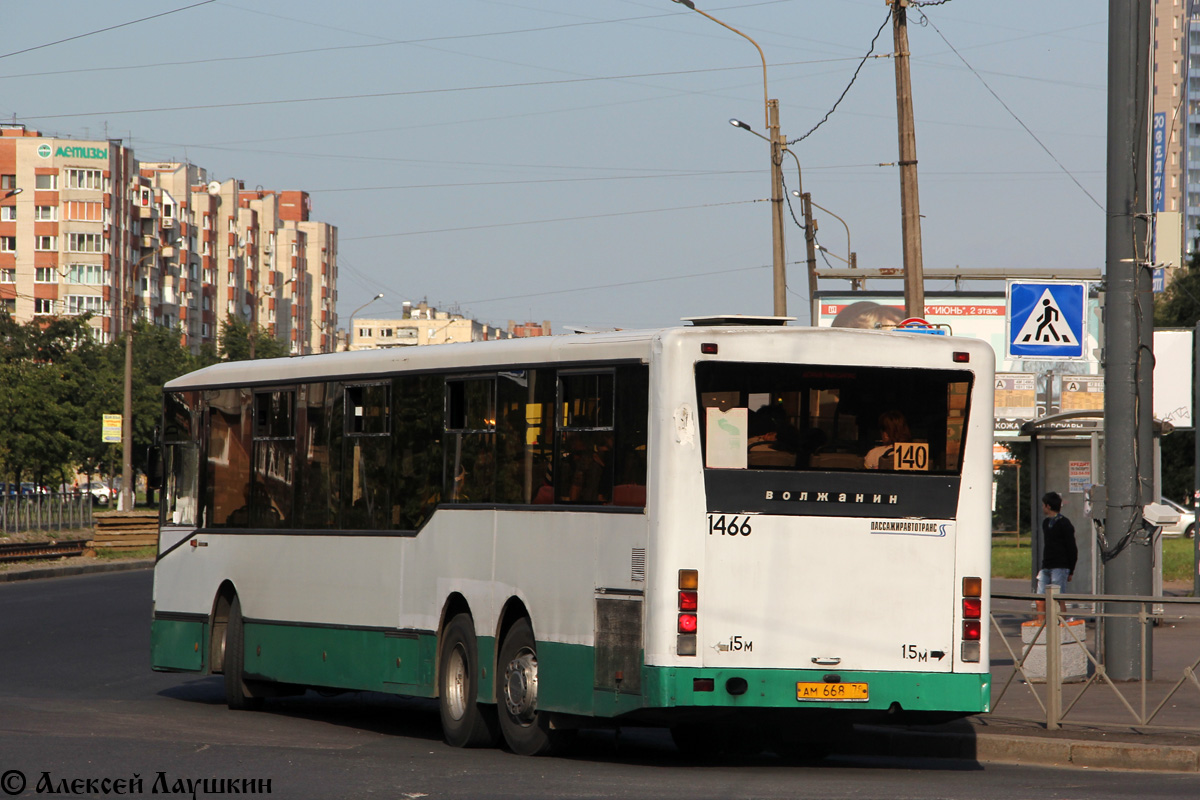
(972, 613)
(689, 601)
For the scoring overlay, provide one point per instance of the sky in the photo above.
(537, 160)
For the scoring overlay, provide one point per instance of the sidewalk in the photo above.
(1099, 732)
(1015, 731)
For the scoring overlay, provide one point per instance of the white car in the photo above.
(101, 494)
(1186, 526)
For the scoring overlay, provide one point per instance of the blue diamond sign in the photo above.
(1046, 319)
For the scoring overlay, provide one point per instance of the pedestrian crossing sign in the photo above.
(1046, 319)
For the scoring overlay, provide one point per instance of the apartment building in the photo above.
(1168, 166)
(71, 239)
(421, 324)
(85, 227)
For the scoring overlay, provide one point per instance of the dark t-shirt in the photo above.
(1058, 543)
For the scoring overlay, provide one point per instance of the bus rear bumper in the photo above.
(956, 693)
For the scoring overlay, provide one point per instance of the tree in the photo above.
(235, 342)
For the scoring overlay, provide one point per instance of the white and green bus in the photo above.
(722, 529)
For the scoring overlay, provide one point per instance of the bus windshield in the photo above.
(799, 417)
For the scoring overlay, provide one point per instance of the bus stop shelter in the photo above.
(1067, 454)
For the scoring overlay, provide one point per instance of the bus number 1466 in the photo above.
(728, 528)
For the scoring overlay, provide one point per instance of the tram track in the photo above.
(26, 551)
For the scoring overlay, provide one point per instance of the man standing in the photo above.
(1059, 552)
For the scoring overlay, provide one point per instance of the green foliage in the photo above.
(238, 338)
(1010, 504)
(56, 383)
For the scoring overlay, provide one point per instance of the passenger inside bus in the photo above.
(893, 428)
(771, 440)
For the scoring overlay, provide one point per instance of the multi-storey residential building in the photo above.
(85, 228)
(71, 238)
(1168, 164)
(420, 325)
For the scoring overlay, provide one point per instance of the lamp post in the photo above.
(350, 336)
(12, 193)
(852, 261)
(126, 500)
(778, 145)
(127, 492)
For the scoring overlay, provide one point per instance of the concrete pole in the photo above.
(1128, 358)
(778, 258)
(910, 206)
(810, 247)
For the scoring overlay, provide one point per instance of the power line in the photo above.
(105, 30)
(541, 221)
(853, 78)
(926, 20)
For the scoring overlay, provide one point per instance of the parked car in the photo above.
(101, 494)
(1186, 526)
(30, 489)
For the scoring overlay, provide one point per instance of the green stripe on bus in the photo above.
(673, 687)
(178, 646)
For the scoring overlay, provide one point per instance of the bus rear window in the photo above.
(832, 418)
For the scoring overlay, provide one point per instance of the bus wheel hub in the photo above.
(520, 686)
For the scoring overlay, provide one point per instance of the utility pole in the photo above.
(778, 255)
(810, 245)
(910, 206)
(1128, 335)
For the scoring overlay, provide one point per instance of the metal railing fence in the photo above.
(1171, 653)
(50, 512)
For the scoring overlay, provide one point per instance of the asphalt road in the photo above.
(78, 702)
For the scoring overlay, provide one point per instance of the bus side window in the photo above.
(584, 473)
(366, 454)
(631, 424)
(470, 440)
(181, 458)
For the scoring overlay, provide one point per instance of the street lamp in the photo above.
(350, 338)
(775, 139)
(127, 492)
(12, 193)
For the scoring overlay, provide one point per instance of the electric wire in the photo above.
(105, 30)
(853, 78)
(925, 20)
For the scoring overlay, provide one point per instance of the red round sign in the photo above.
(915, 322)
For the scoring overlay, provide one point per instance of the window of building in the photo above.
(94, 274)
(46, 213)
(46, 244)
(45, 275)
(8, 244)
(8, 275)
(8, 213)
(43, 305)
(85, 179)
(81, 211)
(85, 243)
(9, 304)
(45, 182)
(8, 181)
(83, 303)
(168, 211)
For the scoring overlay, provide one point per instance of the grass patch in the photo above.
(107, 554)
(1011, 561)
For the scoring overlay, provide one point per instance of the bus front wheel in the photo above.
(464, 722)
(526, 730)
(237, 694)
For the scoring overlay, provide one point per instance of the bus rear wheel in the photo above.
(526, 730)
(238, 695)
(465, 723)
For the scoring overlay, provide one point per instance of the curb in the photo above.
(75, 569)
(1031, 750)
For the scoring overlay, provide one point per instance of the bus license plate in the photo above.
(831, 691)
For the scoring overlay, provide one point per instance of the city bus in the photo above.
(674, 528)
